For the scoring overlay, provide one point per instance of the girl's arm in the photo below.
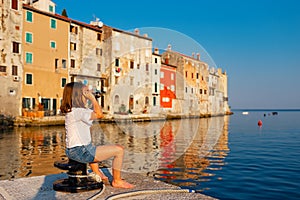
(96, 107)
(97, 110)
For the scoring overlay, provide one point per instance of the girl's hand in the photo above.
(88, 94)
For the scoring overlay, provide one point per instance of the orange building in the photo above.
(167, 85)
(45, 57)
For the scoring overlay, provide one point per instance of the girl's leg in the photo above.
(117, 152)
(95, 167)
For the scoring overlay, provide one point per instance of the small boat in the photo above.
(245, 113)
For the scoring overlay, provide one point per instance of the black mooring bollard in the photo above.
(78, 180)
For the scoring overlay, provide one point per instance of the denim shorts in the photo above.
(83, 154)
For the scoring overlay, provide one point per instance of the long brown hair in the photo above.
(72, 97)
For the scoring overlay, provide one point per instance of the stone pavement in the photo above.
(40, 187)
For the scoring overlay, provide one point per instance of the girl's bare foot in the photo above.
(121, 184)
(102, 175)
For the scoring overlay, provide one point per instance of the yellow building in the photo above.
(45, 58)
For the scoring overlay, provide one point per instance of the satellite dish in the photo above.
(100, 24)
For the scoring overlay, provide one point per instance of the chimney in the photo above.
(193, 54)
(167, 61)
(137, 31)
(169, 47)
(145, 35)
(156, 51)
(198, 56)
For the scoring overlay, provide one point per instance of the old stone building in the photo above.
(10, 57)
(201, 90)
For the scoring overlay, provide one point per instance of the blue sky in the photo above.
(257, 42)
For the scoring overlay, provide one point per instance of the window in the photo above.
(25, 102)
(53, 23)
(28, 37)
(64, 63)
(117, 62)
(147, 100)
(29, 79)
(98, 67)
(173, 88)
(197, 75)
(162, 86)
(192, 75)
(99, 36)
(16, 47)
(147, 67)
(166, 99)
(29, 17)
(155, 60)
(117, 99)
(131, 64)
(28, 58)
(2, 68)
(72, 63)
(192, 90)
(73, 46)
(131, 80)
(98, 52)
(154, 101)
(172, 76)
(51, 9)
(155, 87)
(14, 70)
(186, 73)
(14, 4)
(155, 71)
(53, 44)
(162, 74)
(200, 91)
(73, 29)
(56, 63)
(63, 82)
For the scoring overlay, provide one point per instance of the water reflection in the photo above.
(184, 152)
(31, 151)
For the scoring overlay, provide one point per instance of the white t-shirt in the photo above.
(78, 125)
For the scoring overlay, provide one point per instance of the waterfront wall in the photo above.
(6, 122)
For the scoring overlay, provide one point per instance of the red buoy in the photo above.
(259, 123)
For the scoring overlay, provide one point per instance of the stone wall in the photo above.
(6, 122)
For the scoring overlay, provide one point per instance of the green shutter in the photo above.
(29, 37)
(29, 58)
(29, 16)
(53, 23)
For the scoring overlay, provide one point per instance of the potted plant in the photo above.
(40, 111)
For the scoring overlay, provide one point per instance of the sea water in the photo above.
(263, 162)
(228, 157)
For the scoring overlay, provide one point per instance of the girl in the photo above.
(78, 121)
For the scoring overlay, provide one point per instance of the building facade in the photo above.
(11, 57)
(45, 59)
(42, 51)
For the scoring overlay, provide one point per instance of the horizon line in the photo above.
(266, 109)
